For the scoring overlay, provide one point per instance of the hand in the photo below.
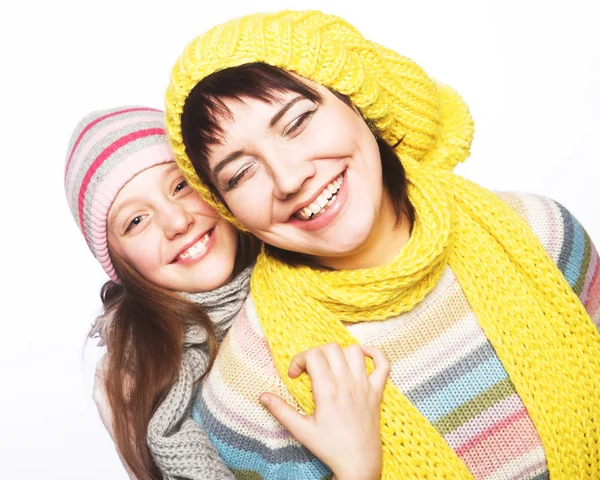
(344, 430)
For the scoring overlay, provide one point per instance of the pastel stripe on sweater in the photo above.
(441, 360)
(461, 382)
(248, 438)
(573, 252)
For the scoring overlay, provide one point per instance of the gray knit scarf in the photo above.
(180, 446)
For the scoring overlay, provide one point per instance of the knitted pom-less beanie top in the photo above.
(535, 322)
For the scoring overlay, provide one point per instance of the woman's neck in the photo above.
(387, 238)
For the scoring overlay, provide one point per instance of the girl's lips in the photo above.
(204, 250)
(329, 215)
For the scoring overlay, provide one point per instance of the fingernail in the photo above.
(264, 399)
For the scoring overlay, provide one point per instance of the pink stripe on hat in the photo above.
(96, 121)
(111, 185)
(98, 137)
(106, 154)
(101, 159)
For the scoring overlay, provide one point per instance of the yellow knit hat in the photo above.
(391, 91)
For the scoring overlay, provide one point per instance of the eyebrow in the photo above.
(169, 170)
(126, 203)
(284, 110)
(238, 153)
(114, 215)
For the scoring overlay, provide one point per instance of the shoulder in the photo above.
(246, 344)
(566, 242)
(550, 221)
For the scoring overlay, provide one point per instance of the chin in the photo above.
(210, 277)
(204, 284)
(339, 249)
(347, 239)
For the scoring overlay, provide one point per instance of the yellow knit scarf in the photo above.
(536, 323)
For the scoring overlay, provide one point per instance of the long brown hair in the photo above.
(144, 340)
(205, 107)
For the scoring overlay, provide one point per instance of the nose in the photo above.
(176, 220)
(290, 173)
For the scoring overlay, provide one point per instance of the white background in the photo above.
(530, 72)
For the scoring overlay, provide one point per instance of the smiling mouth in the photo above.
(322, 203)
(197, 249)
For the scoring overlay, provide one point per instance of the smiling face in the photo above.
(169, 235)
(304, 176)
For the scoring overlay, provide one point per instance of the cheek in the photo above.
(253, 213)
(143, 255)
(252, 205)
(196, 204)
(230, 237)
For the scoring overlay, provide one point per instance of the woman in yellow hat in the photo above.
(338, 154)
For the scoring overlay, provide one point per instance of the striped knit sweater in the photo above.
(441, 360)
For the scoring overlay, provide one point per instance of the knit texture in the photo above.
(535, 322)
(441, 360)
(538, 327)
(179, 446)
(391, 91)
(107, 149)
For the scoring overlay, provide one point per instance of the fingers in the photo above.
(312, 361)
(315, 364)
(329, 364)
(379, 376)
(295, 423)
(355, 359)
(337, 359)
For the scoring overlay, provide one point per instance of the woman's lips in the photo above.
(324, 200)
(316, 222)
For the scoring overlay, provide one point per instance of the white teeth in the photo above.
(197, 249)
(325, 199)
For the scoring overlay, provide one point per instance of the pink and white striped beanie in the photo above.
(107, 149)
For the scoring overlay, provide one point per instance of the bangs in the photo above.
(205, 108)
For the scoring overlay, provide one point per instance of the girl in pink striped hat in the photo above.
(153, 236)
(179, 275)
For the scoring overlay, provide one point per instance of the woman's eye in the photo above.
(136, 221)
(238, 177)
(298, 122)
(180, 186)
